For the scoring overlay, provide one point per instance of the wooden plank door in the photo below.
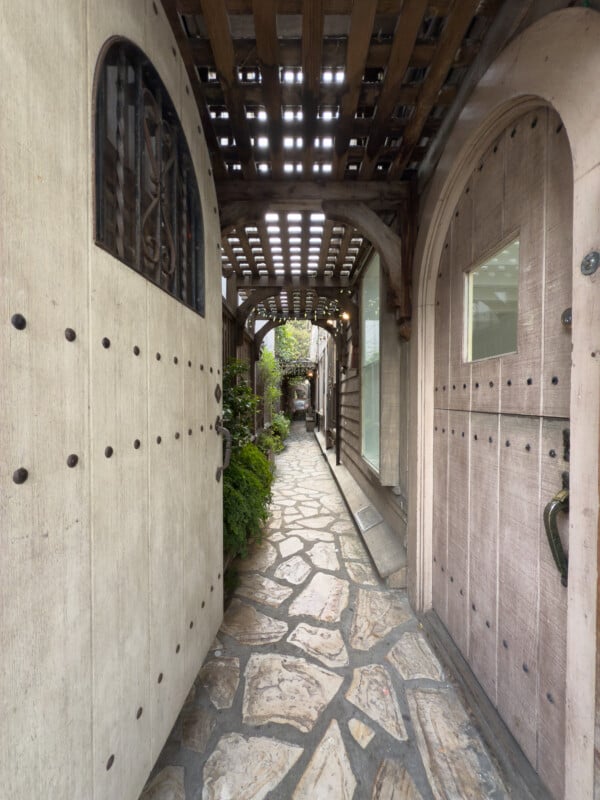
(499, 451)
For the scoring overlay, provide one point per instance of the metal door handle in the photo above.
(560, 502)
(220, 428)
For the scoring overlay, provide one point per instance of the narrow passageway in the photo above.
(320, 683)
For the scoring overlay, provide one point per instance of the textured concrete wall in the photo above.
(110, 573)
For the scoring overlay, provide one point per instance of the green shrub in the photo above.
(246, 497)
(280, 424)
(239, 403)
(267, 443)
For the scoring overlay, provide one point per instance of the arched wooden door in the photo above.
(502, 387)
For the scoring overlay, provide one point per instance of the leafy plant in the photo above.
(239, 403)
(270, 372)
(246, 497)
(292, 340)
(280, 425)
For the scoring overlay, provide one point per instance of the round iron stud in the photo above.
(106, 342)
(110, 762)
(20, 475)
(567, 317)
(136, 350)
(70, 335)
(18, 321)
(139, 712)
(160, 677)
(72, 460)
(136, 444)
(178, 648)
(590, 263)
(108, 451)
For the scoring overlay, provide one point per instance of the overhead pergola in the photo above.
(321, 118)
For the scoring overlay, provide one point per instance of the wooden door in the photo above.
(499, 448)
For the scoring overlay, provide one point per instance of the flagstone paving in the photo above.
(321, 684)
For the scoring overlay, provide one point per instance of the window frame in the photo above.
(144, 175)
(373, 263)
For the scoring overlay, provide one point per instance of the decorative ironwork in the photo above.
(148, 211)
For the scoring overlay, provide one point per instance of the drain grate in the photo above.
(368, 517)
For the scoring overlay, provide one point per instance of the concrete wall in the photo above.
(110, 577)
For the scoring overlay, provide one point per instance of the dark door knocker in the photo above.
(558, 504)
(221, 429)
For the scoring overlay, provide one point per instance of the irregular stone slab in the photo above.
(324, 598)
(453, 755)
(292, 517)
(343, 527)
(277, 537)
(287, 690)
(328, 774)
(322, 643)
(323, 555)
(361, 732)
(353, 549)
(220, 678)
(295, 570)
(361, 572)
(263, 590)
(247, 768)
(290, 545)
(249, 626)
(317, 523)
(198, 724)
(394, 783)
(261, 559)
(412, 657)
(372, 691)
(307, 511)
(286, 503)
(377, 613)
(309, 503)
(332, 503)
(313, 536)
(167, 785)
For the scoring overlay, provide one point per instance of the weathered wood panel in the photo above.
(516, 607)
(552, 653)
(440, 513)
(524, 201)
(457, 573)
(119, 518)
(556, 372)
(458, 389)
(166, 490)
(483, 549)
(518, 577)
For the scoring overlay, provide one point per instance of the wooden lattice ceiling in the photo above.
(311, 100)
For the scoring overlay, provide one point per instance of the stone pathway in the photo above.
(320, 684)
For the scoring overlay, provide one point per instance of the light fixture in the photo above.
(345, 316)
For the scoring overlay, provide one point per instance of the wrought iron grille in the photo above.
(148, 212)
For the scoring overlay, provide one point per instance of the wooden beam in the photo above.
(457, 25)
(267, 46)
(359, 39)
(244, 310)
(505, 24)
(332, 53)
(405, 36)
(388, 7)
(183, 43)
(312, 41)
(387, 243)
(323, 286)
(216, 20)
(307, 195)
(239, 213)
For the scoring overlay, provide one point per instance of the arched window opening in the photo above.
(148, 212)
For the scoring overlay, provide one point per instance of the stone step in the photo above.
(385, 548)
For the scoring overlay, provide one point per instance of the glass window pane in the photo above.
(370, 364)
(492, 304)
